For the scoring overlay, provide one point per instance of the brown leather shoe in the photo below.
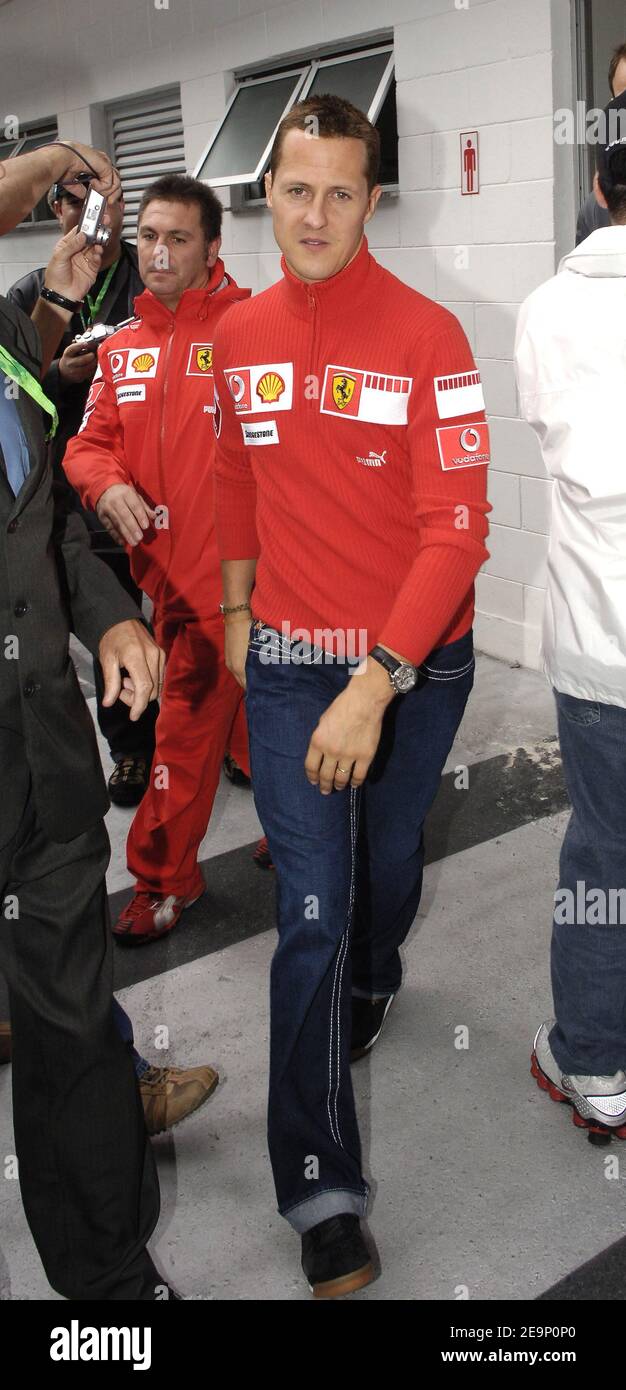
(5, 1043)
(171, 1093)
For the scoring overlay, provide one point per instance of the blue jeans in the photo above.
(333, 872)
(589, 956)
(125, 1029)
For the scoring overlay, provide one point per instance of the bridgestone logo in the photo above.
(265, 433)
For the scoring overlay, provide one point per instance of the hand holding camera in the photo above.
(73, 266)
(77, 364)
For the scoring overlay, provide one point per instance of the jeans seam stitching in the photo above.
(446, 675)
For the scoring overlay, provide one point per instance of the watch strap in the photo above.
(74, 305)
(385, 658)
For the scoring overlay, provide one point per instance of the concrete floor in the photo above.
(478, 1181)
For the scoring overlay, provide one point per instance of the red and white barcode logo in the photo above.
(95, 390)
(458, 395)
(361, 395)
(464, 446)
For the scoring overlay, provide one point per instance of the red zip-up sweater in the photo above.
(149, 421)
(351, 459)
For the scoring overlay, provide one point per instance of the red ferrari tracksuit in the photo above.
(149, 422)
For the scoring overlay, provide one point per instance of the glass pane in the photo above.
(387, 127)
(249, 126)
(357, 80)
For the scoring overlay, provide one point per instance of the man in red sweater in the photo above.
(143, 460)
(351, 520)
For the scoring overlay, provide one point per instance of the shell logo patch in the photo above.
(200, 361)
(268, 386)
(127, 364)
(142, 362)
(464, 446)
(357, 394)
(343, 390)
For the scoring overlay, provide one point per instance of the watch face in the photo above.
(405, 678)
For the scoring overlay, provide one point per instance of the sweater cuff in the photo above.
(426, 607)
(91, 494)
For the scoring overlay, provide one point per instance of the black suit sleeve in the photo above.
(25, 293)
(95, 599)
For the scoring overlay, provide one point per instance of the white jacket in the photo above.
(571, 371)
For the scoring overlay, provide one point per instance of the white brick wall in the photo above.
(490, 66)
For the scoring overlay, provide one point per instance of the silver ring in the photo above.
(341, 769)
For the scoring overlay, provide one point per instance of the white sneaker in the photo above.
(599, 1102)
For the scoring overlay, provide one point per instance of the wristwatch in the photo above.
(402, 675)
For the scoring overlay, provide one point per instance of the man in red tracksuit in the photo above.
(143, 460)
(351, 518)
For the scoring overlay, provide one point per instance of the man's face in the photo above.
(320, 203)
(619, 80)
(174, 255)
(68, 210)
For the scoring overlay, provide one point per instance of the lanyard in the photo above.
(16, 372)
(94, 304)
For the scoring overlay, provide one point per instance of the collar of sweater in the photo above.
(193, 304)
(348, 287)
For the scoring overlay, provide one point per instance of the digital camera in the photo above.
(94, 336)
(91, 219)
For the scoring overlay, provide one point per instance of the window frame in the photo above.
(376, 104)
(48, 125)
(301, 72)
(309, 67)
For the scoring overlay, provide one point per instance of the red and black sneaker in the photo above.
(149, 916)
(262, 856)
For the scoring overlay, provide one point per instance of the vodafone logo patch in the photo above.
(464, 446)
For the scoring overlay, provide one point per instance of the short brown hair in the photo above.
(616, 59)
(335, 117)
(182, 188)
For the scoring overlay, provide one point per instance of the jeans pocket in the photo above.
(577, 711)
(454, 662)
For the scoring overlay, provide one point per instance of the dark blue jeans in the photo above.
(333, 872)
(589, 953)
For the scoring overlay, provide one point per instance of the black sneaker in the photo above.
(335, 1257)
(234, 773)
(129, 781)
(368, 1016)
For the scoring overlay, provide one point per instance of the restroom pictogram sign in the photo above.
(469, 162)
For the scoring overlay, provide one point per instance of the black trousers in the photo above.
(125, 739)
(87, 1173)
